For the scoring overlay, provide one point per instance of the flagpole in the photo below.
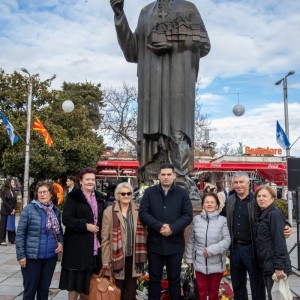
(27, 143)
(19, 135)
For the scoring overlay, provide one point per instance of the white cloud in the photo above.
(253, 45)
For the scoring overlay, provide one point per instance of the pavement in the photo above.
(11, 286)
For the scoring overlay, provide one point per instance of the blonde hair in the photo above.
(122, 185)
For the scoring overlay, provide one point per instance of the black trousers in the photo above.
(173, 266)
(11, 234)
(37, 276)
(129, 284)
(241, 263)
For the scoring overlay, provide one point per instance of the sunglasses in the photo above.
(125, 194)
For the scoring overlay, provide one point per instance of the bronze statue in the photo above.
(167, 45)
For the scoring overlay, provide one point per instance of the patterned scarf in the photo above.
(51, 219)
(94, 206)
(140, 247)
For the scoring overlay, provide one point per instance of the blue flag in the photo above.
(281, 137)
(10, 129)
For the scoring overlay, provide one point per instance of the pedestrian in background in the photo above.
(221, 194)
(71, 183)
(273, 256)
(39, 239)
(8, 208)
(206, 249)
(166, 210)
(82, 217)
(124, 241)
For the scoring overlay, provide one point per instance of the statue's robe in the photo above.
(166, 81)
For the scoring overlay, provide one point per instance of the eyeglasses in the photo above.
(125, 194)
(42, 192)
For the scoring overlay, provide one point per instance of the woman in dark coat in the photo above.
(82, 217)
(8, 207)
(271, 246)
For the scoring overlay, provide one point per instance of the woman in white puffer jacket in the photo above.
(208, 241)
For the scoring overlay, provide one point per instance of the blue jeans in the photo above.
(241, 262)
(37, 276)
(173, 266)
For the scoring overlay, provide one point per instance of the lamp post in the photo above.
(287, 132)
(285, 102)
(27, 145)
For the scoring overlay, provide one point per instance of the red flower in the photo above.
(166, 297)
(164, 284)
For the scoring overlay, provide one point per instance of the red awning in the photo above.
(274, 172)
(121, 164)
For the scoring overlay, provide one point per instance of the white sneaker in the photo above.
(3, 244)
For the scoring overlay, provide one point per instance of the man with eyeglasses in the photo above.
(166, 210)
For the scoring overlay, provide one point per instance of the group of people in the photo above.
(124, 237)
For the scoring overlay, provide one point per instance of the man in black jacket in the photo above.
(166, 210)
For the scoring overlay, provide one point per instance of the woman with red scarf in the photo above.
(124, 241)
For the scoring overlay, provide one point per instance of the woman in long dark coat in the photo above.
(82, 217)
(8, 207)
(272, 253)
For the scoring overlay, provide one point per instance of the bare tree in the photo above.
(120, 117)
(202, 128)
(226, 149)
(119, 121)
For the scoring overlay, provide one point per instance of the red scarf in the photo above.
(140, 247)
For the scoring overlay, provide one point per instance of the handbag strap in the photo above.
(55, 235)
(111, 277)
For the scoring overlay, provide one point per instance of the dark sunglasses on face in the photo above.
(125, 194)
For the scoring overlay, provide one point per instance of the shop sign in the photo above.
(262, 151)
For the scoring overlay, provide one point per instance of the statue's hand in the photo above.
(117, 6)
(161, 48)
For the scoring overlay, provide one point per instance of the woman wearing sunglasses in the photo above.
(124, 241)
(39, 239)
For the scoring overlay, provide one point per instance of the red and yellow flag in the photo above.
(38, 126)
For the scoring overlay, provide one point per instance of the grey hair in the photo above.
(122, 185)
(241, 174)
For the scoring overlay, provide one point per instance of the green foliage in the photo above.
(283, 206)
(76, 144)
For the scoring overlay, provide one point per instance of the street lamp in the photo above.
(68, 106)
(285, 98)
(27, 143)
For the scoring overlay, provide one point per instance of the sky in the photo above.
(253, 45)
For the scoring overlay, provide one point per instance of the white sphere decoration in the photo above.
(238, 110)
(68, 106)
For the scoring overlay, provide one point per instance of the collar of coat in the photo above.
(172, 187)
(263, 213)
(209, 215)
(77, 195)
